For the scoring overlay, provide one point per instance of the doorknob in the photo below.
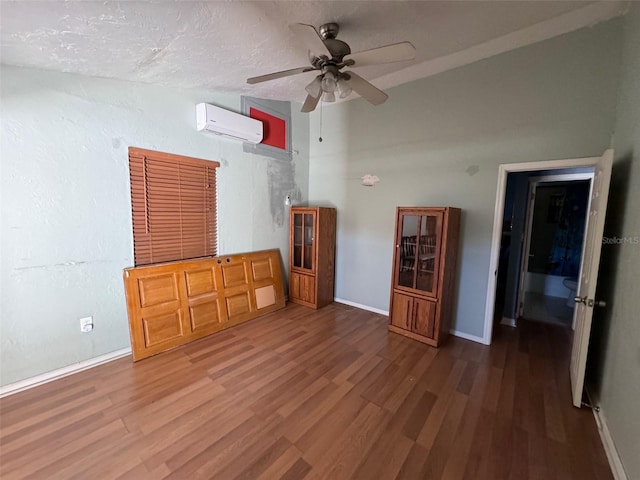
(596, 303)
(580, 299)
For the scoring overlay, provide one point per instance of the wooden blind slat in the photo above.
(173, 203)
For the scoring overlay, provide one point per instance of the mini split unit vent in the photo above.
(223, 122)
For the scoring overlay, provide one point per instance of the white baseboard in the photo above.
(62, 372)
(361, 306)
(466, 336)
(509, 322)
(609, 447)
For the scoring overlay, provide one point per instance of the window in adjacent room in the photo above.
(173, 205)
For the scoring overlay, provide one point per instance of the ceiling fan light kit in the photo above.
(330, 55)
(344, 90)
(328, 97)
(315, 87)
(329, 82)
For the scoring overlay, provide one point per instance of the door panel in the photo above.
(164, 328)
(589, 274)
(158, 290)
(302, 287)
(204, 315)
(401, 314)
(424, 317)
(238, 305)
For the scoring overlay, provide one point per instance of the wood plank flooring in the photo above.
(314, 395)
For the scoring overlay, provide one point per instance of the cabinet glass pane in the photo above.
(308, 241)
(297, 240)
(427, 244)
(408, 244)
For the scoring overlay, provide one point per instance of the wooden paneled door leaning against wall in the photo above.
(174, 303)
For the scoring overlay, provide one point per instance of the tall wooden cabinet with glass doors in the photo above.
(424, 268)
(312, 241)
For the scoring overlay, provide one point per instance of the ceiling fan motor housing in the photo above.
(338, 48)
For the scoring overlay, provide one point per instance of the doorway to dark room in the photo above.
(545, 214)
(505, 233)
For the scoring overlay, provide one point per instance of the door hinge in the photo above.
(588, 405)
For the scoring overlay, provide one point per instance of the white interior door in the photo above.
(585, 299)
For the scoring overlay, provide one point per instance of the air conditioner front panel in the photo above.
(223, 122)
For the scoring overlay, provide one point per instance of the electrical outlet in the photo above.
(86, 324)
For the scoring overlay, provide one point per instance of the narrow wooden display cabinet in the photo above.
(424, 268)
(312, 245)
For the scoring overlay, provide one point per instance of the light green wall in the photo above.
(615, 362)
(66, 221)
(439, 141)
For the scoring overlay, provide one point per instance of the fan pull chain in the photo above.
(320, 137)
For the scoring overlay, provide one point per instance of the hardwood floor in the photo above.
(315, 395)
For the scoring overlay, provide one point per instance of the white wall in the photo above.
(66, 221)
(439, 141)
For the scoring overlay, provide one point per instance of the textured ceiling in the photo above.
(217, 45)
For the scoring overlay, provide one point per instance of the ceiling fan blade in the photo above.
(310, 104)
(283, 73)
(365, 89)
(310, 37)
(397, 52)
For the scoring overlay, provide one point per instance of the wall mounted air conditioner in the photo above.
(223, 122)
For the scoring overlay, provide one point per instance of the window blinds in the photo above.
(173, 204)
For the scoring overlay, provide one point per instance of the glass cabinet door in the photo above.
(303, 237)
(419, 246)
(297, 240)
(308, 241)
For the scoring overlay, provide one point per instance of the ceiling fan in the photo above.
(329, 55)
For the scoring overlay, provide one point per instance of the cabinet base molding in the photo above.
(415, 336)
(303, 303)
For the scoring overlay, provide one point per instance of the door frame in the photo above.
(498, 215)
(534, 183)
